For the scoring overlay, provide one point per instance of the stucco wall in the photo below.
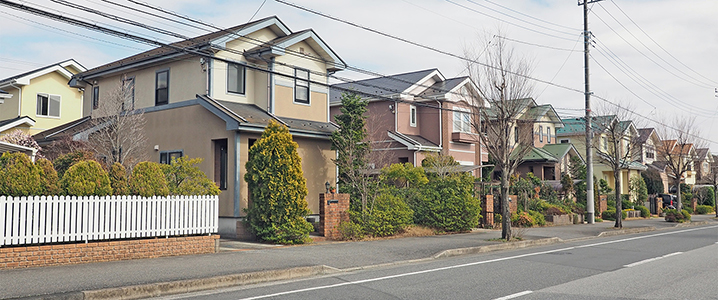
(54, 84)
(9, 108)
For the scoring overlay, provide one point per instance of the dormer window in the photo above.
(301, 86)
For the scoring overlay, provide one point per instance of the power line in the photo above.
(542, 46)
(519, 19)
(532, 17)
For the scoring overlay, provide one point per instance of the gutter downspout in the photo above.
(441, 132)
(19, 98)
(270, 65)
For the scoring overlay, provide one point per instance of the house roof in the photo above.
(69, 128)
(442, 87)
(278, 46)
(10, 147)
(413, 142)
(560, 150)
(539, 155)
(645, 134)
(380, 86)
(702, 153)
(254, 115)
(24, 78)
(8, 124)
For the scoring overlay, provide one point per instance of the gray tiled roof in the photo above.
(443, 87)
(258, 116)
(380, 86)
(33, 71)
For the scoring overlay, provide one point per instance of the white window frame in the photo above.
(548, 135)
(412, 116)
(49, 99)
(462, 119)
(540, 133)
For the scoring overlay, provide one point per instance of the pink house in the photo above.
(413, 114)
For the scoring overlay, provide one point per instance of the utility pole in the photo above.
(589, 133)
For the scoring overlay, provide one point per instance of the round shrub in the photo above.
(64, 162)
(86, 178)
(448, 204)
(688, 209)
(610, 215)
(672, 215)
(350, 231)
(49, 176)
(704, 209)
(147, 180)
(645, 212)
(185, 178)
(19, 176)
(388, 216)
(686, 215)
(118, 179)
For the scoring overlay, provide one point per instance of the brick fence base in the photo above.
(78, 253)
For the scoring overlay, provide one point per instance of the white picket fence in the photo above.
(53, 219)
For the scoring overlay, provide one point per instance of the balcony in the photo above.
(465, 137)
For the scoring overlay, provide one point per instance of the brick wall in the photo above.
(487, 211)
(77, 253)
(333, 209)
(602, 204)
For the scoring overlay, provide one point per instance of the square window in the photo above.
(462, 120)
(236, 78)
(166, 157)
(301, 86)
(48, 105)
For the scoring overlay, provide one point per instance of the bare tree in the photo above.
(681, 138)
(117, 134)
(502, 83)
(617, 139)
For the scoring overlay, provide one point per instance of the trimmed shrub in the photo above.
(49, 176)
(448, 204)
(610, 215)
(672, 215)
(19, 176)
(688, 208)
(86, 178)
(277, 188)
(350, 231)
(64, 162)
(118, 179)
(185, 178)
(704, 209)
(147, 180)
(538, 217)
(645, 212)
(388, 216)
(522, 219)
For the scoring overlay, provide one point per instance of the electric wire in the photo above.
(529, 16)
(522, 20)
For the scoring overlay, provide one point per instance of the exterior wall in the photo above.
(10, 107)
(78, 253)
(191, 129)
(430, 127)
(541, 137)
(54, 84)
(317, 166)
(285, 106)
(403, 119)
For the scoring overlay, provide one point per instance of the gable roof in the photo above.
(8, 124)
(279, 45)
(444, 86)
(560, 150)
(413, 142)
(645, 134)
(384, 86)
(60, 67)
(702, 153)
(539, 155)
(67, 129)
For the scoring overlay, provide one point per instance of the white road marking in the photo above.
(514, 295)
(651, 259)
(466, 265)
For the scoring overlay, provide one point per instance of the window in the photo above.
(605, 143)
(412, 116)
(128, 88)
(301, 86)
(162, 86)
(516, 134)
(540, 133)
(548, 135)
(462, 121)
(250, 143)
(403, 160)
(565, 141)
(220, 163)
(236, 78)
(96, 97)
(166, 157)
(48, 105)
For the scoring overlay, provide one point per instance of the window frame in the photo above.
(540, 133)
(48, 99)
(516, 134)
(548, 135)
(96, 97)
(244, 78)
(464, 120)
(169, 155)
(157, 88)
(412, 116)
(297, 82)
(131, 81)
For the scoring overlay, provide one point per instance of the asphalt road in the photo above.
(671, 264)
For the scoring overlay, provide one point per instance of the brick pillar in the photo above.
(694, 203)
(602, 204)
(487, 211)
(513, 204)
(333, 209)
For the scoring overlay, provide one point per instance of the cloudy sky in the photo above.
(658, 57)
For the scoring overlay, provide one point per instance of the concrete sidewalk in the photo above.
(243, 263)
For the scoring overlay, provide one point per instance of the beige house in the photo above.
(40, 99)
(216, 105)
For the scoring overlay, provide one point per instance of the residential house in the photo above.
(217, 104)
(704, 160)
(648, 141)
(686, 155)
(40, 99)
(549, 162)
(413, 114)
(575, 132)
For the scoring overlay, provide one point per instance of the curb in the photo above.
(691, 224)
(497, 247)
(626, 231)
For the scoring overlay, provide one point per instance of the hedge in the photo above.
(86, 178)
(19, 176)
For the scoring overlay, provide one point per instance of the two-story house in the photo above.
(605, 128)
(680, 155)
(40, 99)
(412, 114)
(704, 160)
(216, 105)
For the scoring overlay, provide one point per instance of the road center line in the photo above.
(466, 265)
(514, 295)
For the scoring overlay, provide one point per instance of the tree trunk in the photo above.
(505, 211)
(619, 202)
(679, 207)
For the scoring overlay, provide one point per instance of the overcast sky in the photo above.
(659, 57)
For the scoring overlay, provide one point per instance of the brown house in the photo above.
(413, 114)
(215, 105)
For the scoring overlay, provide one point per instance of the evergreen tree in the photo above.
(277, 188)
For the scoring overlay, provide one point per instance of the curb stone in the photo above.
(691, 224)
(626, 231)
(497, 247)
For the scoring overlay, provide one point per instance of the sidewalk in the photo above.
(242, 258)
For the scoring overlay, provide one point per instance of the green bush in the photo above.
(118, 179)
(610, 215)
(538, 217)
(598, 220)
(672, 215)
(277, 188)
(688, 209)
(522, 219)
(86, 178)
(64, 162)
(147, 180)
(49, 176)
(19, 176)
(185, 178)
(448, 204)
(350, 231)
(645, 212)
(704, 209)
(388, 216)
